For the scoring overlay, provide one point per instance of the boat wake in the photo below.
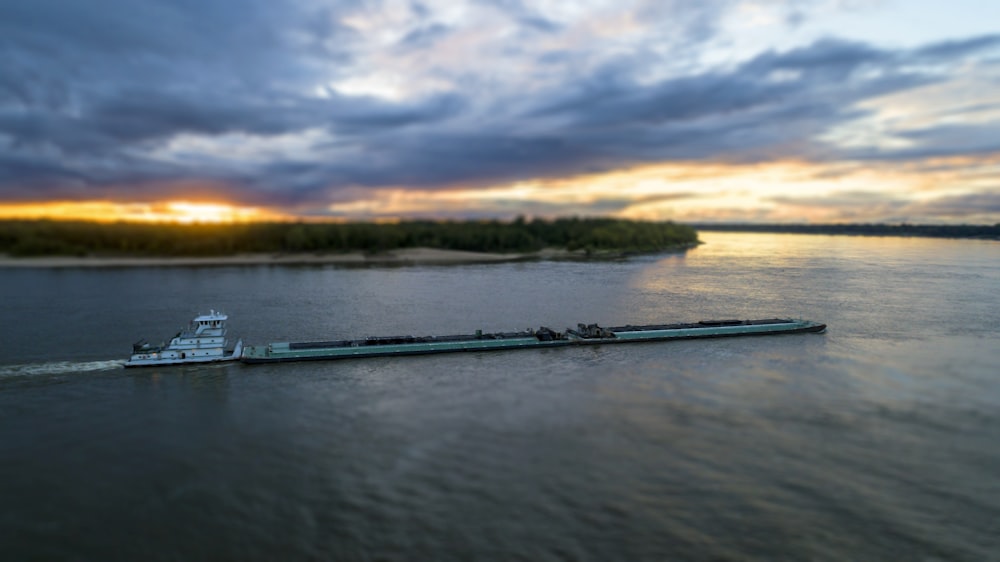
(58, 368)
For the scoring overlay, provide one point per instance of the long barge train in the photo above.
(591, 334)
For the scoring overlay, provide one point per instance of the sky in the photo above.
(719, 110)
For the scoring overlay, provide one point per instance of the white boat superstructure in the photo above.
(203, 341)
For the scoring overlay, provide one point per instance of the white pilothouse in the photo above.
(204, 341)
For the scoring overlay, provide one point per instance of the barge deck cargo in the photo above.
(591, 334)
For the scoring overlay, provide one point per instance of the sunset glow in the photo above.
(183, 212)
(700, 192)
(939, 190)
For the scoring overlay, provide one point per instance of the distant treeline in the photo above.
(69, 238)
(931, 230)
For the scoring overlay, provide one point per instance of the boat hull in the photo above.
(187, 361)
(766, 329)
(161, 361)
(274, 353)
(388, 347)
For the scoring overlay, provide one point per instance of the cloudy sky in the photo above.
(735, 110)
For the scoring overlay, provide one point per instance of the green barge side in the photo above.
(591, 334)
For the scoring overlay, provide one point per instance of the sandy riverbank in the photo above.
(403, 256)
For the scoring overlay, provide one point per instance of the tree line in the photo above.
(22, 238)
(865, 229)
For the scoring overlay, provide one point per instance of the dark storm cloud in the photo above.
(959, 206)
(813, 73)
(91, 91)
(23, 176)
(611, 120)
(968, 139)
(951, 49)
(137, 116)
(89, 48)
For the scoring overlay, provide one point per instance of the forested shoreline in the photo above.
(860, 229)
(28, 238)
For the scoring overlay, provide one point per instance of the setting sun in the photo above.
(183, 212)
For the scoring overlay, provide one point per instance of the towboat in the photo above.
(203, 341)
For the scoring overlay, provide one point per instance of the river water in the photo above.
(879, 440)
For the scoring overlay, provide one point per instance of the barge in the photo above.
(584, 334)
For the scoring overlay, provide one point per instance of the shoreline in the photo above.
(406, 256)
(402, 256)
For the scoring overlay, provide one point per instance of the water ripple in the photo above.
(58, 368)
